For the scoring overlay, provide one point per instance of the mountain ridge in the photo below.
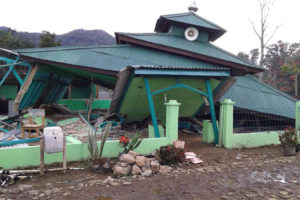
(77, 37)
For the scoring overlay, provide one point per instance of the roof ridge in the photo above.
(49, 49)
(271, 87)
(194, 14)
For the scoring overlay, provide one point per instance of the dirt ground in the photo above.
(259, 173)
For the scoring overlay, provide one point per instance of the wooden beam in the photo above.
(24, 88)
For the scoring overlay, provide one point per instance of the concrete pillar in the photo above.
(172, 113)
(208, 132)
(226, 119)
(297, 122)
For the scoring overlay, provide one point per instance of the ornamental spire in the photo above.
(193, 7)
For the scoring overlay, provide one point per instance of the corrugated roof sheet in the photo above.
(198, 47)
(115, 58)
(251, 94)
(189, 19)
(193, 19)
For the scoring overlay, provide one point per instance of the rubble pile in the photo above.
(135, 164)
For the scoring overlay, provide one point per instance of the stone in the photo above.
(48, 192)
(96, 166)
(122, 164)
(127, 158)
(56, 190)
(127, 183)
(147, 173)
(136, 170)
(154, 165)
(25, 187)
(66, 194)
(108, 179)
(118, 170)
(41, 195)
(48, 184)
(134, 154)
(164, 169)
(178, 144)
(33, 192)
(141, 161)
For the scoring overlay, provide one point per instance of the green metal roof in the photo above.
(189, 19)
(115, 58)
(198, 47)
(251, 94)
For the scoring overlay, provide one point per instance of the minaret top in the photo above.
(193, 7)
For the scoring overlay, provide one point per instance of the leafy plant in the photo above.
(170, 155)
(289, 137)
(129, 144)
(92, 142)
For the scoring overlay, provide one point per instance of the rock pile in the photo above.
(134, 164)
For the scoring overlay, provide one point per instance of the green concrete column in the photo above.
(297, 122)
(172, 113)
(208, 132)
(227, 122)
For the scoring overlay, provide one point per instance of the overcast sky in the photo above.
(61, 16)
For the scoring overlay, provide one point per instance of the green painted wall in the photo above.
(9, 91)
(248, 140)
(81, 104)
(135, 104)
(76, 151)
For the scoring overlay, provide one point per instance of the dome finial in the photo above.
(193, 7)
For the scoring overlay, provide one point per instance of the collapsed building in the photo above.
(144, 70)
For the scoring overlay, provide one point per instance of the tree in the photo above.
(8, 40)
(47, 39)
(243, 55)
(263, 32)
(252, 57)
(292, 66)
(276, 57)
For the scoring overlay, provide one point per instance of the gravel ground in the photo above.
(260, 173)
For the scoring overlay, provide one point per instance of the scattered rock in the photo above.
(48, 184)
(33, 192)
(118, 170)
(57, 189)
(127, 158)
(154, 165)
(178, 144)
(141, 161)
(41, 195)
(147, 173)
(66, 194)
(146, 166)
(136, 170)
(127, 183)
(48, 192)
(122, 164)
(25, 187)
(164, 169)
(134, 154)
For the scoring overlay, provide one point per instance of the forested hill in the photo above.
(78, 37)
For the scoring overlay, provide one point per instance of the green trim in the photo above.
(212, 110)
(151, 106)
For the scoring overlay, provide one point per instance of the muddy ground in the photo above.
(259, 173)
